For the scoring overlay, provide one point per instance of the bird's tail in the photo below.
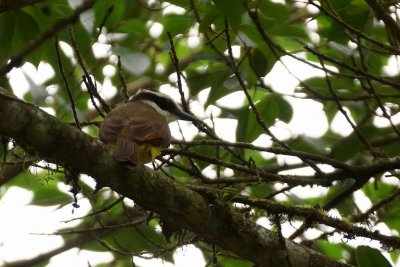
(126, 151)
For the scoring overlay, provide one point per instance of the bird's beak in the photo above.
(185, 116)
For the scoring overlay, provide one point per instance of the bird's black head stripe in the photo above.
(163, 102)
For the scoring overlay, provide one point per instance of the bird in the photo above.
(139, 131)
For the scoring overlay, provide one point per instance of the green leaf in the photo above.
(269, 58)
(214, 77)
(392, 149)
(133, 61)
(210, 18)
(260, 191)
(177, 24)
(342, 87)
(114, 9)
(45, 13)
(256, 157)
(354, 13)
(275, 28)
(376, 192)
(44, 187)
(12, 24)
(219, 90)
(352, 146)
(270, 107)
(132, 26)
(275, 11)
(260, 63)
(209, 151)
(335, 251)
(233, 262)
(310, 145)
(232, 9)
(50, 195)
(347, 206)
(370, 257)
(132, 239)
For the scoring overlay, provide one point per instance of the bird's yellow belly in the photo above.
(148, 153)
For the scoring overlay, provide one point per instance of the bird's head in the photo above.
(163, 104)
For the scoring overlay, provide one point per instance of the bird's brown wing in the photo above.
(155, 132)
(139, 122)
(111, 128)
(114, 123)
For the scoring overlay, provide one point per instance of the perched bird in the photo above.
(139, 130)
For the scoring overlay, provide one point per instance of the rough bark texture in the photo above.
(55, 141)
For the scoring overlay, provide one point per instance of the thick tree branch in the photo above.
(311, 214)
(217, 223)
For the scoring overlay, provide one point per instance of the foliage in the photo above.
(223, 48)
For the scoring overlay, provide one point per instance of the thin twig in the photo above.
(346, 116)
(376, 207)
(96, 212)
(382, 14)
(175, 62)
(275, 150)
(123, 82)
(373, 91)
(231, 63)
(89, 82)
(61, 67)
(391, 49)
